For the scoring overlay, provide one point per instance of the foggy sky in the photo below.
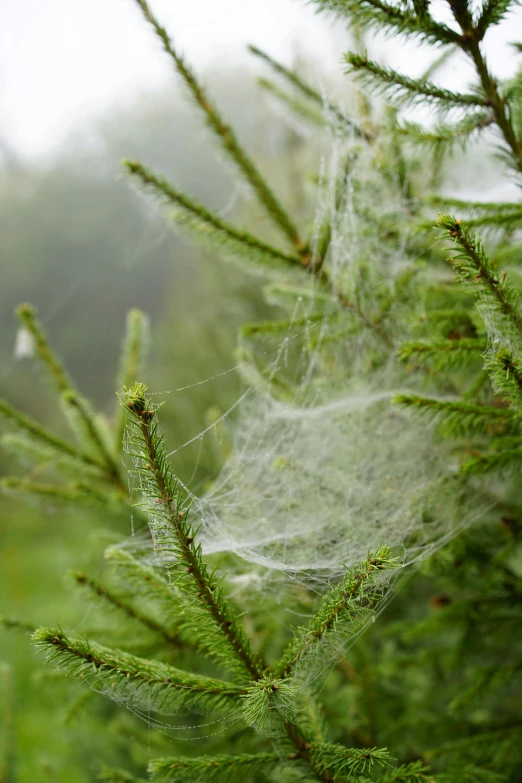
(63, 61)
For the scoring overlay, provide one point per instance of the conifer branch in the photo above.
(229, 141)
(212, 623)
(135, 680)
(416, 772)
(443, 353)
(324, 233)
(27, 315)
(145, 581)
(470, 44)
(396, 19)
(505, 221)
(460, 321)
(407, 89)
(210, 229)
(298, 106)
(489, 461)
(83, 419)
(507, 254)
(492, 13)
(473, 266)
(112, 598)
(475, 207)
(72, 494)
(50, 443)
(24, 448)
(446, 134)
(334, 762)
(340, 762)
(279, 293)
(134, 350)
(439, 62)
(206, 227)
(282, 327)
(494, 746)
(506, 376)
(214, 769)
(486, 680)
(462, 417)
(119, 776)
(500, 215)
(270, 706)
(12, 624)
(309, 92)
(345, 607)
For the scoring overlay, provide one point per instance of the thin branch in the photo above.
(106, 594)
(309, 92)
(49, 441)
(157, 480)
(411, 90)
(229, 141)
(207, 227)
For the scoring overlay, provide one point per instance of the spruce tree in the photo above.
(379, 297)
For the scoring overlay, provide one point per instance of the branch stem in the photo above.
(188, 550)
(470, 44)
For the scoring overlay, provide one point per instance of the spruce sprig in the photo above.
(474, 207)
(208, 615)
(53, 447)
(442, 353)
(322, 103)
(206, 227)
(493, 747)
(144, 581)
(447, 134)
(81, 418)
(213, 769)
(415, 772)
(473, 267)
(407, 89)
(138, 681)
(325, 230)
(461, 418)
(492, 12)
(396, 19)
(228, 140)
(119, 776)
(346, 607)
(342, 763)
(27, 315)
(469, 42)
(500, 221)
(120, 602)
(505, 372)
(493, 462)
(78, 493)
(133, 354)
(298, 106)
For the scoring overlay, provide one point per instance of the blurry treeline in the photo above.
(78, 243)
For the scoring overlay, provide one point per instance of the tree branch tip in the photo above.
(26, 311)
(133, 398)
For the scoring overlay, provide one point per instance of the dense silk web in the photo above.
(324, 468)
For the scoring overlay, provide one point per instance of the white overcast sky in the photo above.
(61, 61)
